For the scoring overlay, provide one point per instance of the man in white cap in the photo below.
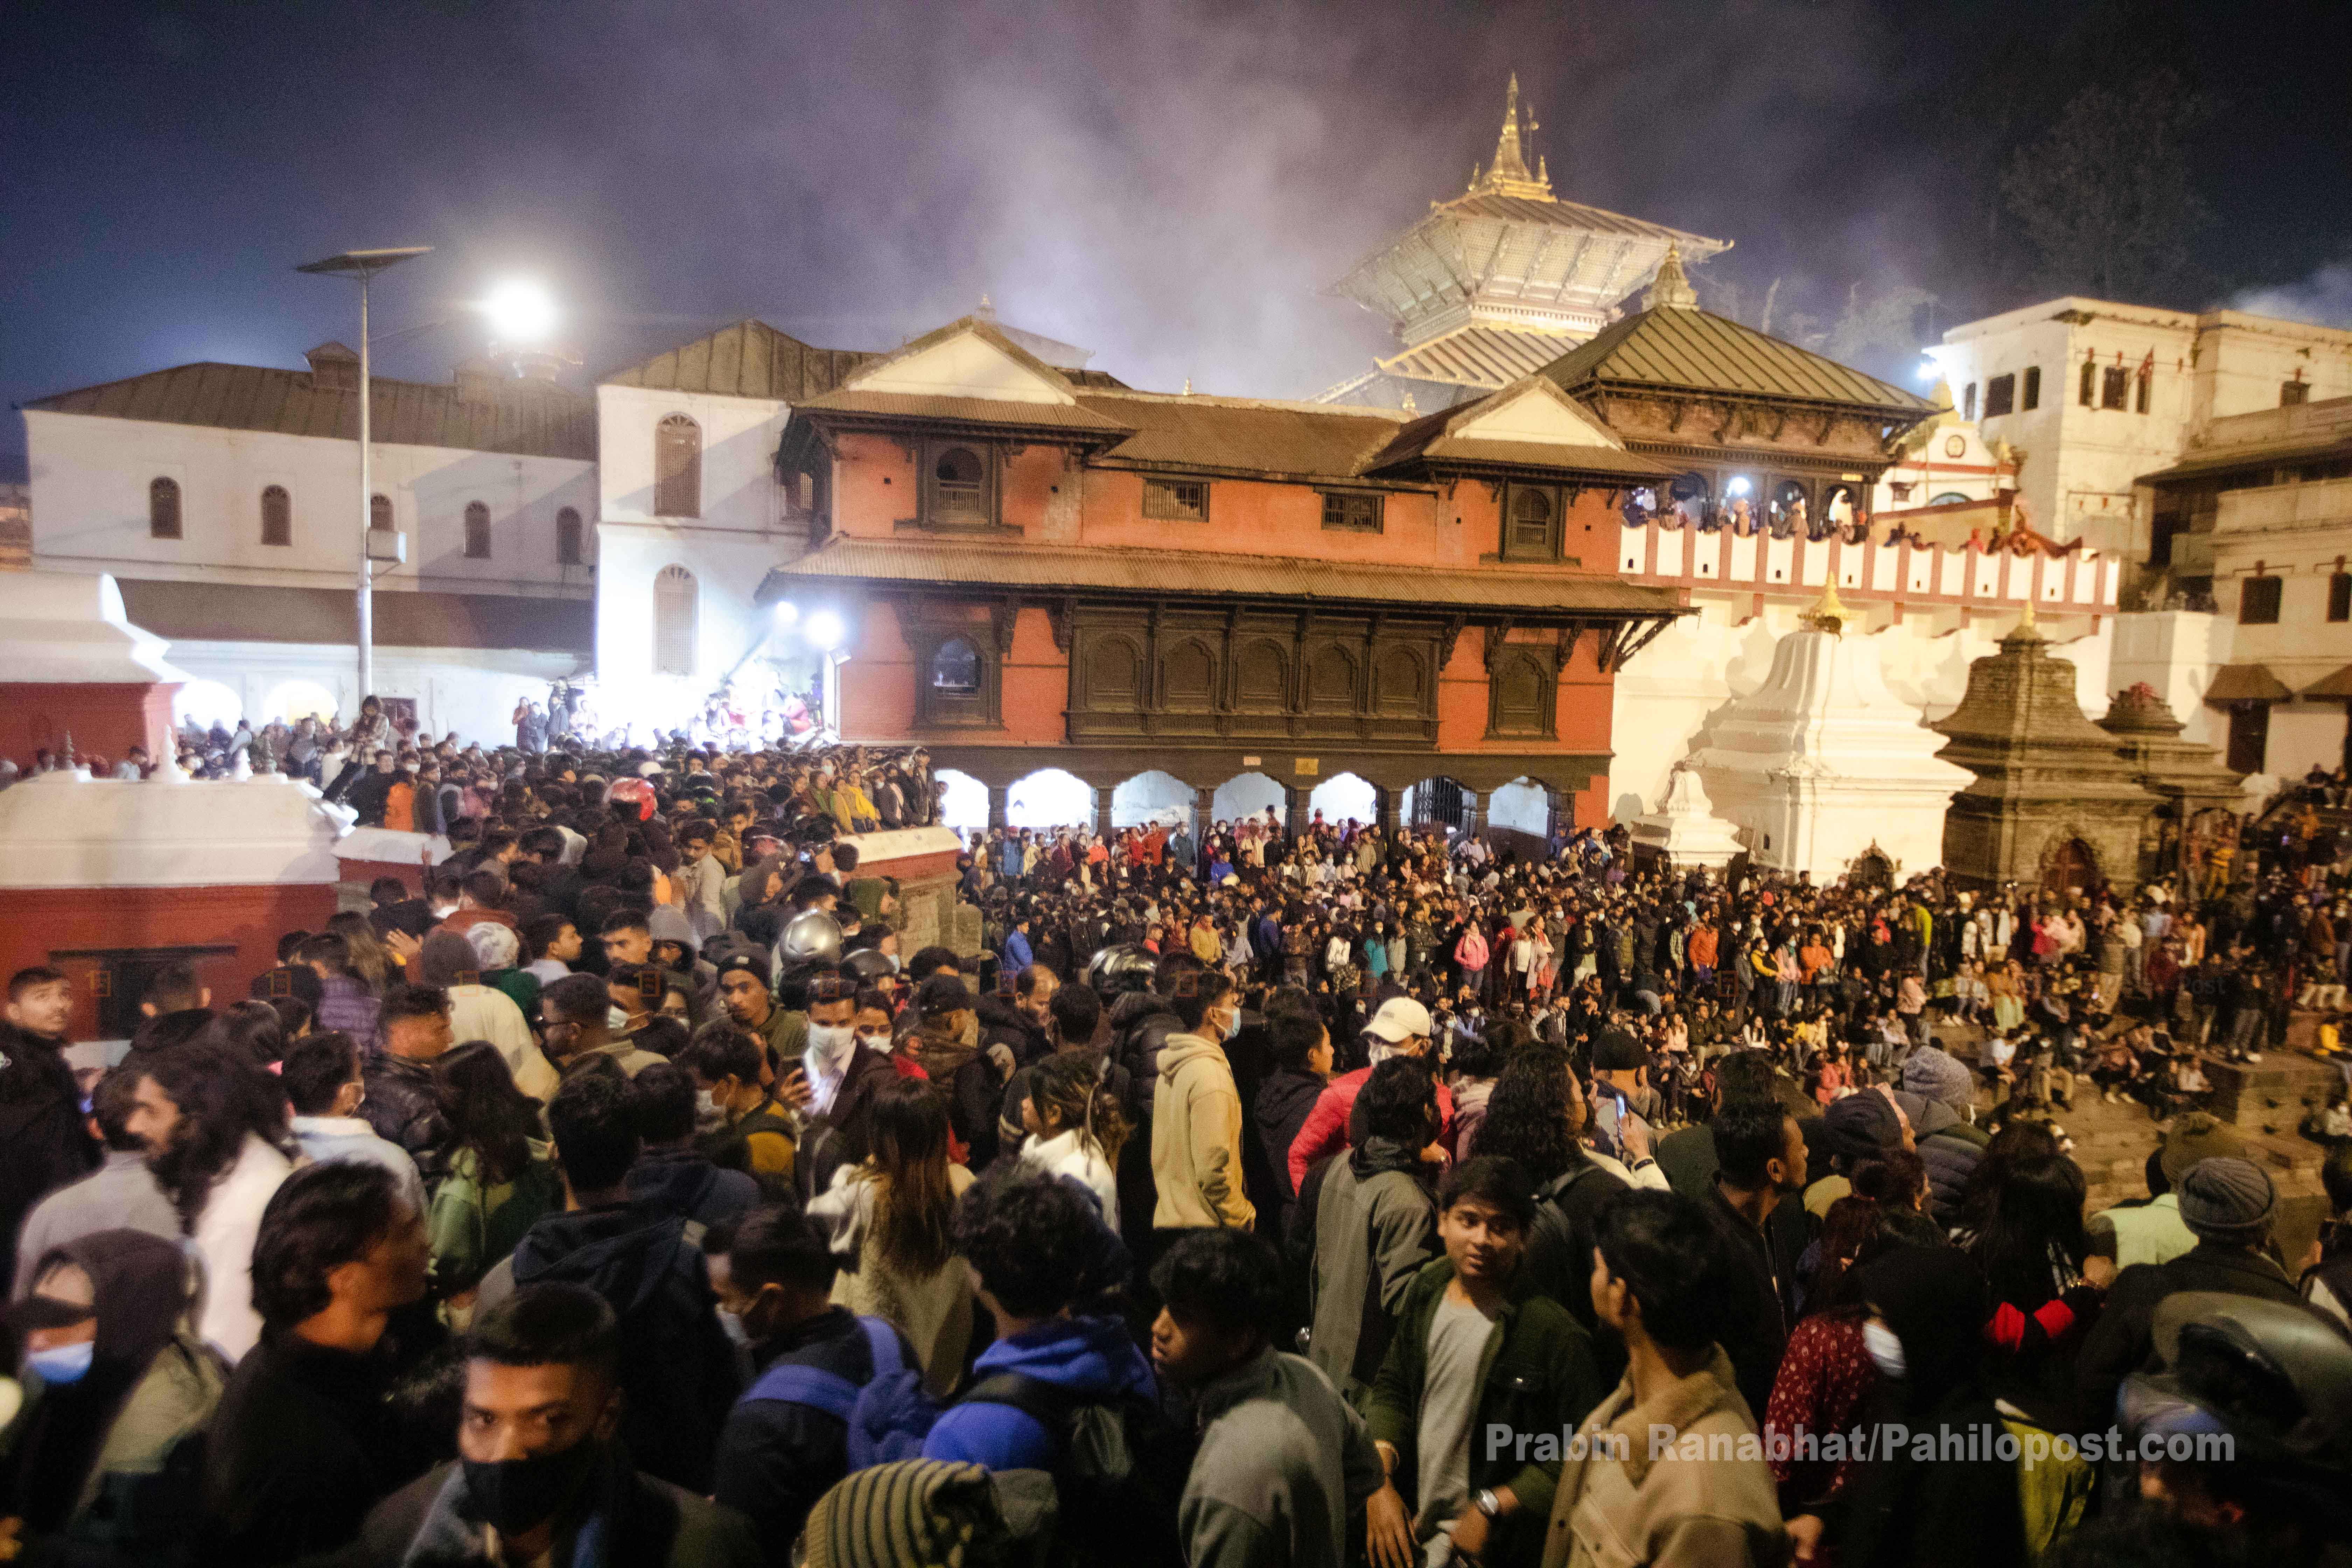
(1400, 1028)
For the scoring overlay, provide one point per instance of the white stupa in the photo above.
(1685, 830)
(1824, 766)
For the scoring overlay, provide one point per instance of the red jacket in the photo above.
(1325, 1131)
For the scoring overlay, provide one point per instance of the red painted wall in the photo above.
(105, 719)
(41, 922)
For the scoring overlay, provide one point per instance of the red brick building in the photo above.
(1043, 568)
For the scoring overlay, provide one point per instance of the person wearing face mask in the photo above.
(1196, 1116)
(120, 1382)
(970, 1082)
(1924, 1334)
(737, 1122)
(671, 1176)
(541, 1473)
(321, 1075)
(786, 1442)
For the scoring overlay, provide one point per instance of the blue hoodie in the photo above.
(1092, 1354)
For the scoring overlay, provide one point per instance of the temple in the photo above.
(1500, 281)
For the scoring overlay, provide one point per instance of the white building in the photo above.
(224, 499)
(2092, 394)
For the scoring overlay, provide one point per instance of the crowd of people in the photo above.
(628, 1194)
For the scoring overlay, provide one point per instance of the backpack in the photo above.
(888, 1418)
(1119, 1466)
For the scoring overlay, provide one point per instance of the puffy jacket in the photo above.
(401, 1107)
(1951, 1158)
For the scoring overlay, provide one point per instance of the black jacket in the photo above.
(301, 1446)
(43, 1141)
(688, 1184)
(677, 1368)
(1283, 1101)
(402, 1108)
(776, 1458)
(842, 1136)
(2125, 1336)
(646, 1523)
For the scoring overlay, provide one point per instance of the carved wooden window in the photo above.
(2088, 386)
(1397, 685)
(1352, 511)
(477, 530)
(678, 468)
(1519, 695)
(380, 512)
(956, 488)
(163, 509)
(677, 606)
(1188, 677)
(956, 668)
(277, 515)
(1114, 674)
(2114, 388)
(567, 537)
(1263, 679)
(1331, 681)
(1176, 501)
(2033, 387)
(2001, 395)
(2258, 601)
(1530, 522)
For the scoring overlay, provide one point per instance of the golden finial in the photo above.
(1672, 285)
(1827, 614)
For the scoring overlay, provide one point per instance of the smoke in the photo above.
(2322, 300)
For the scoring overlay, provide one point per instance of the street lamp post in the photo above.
(364, 265)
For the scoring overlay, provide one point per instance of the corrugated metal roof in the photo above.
(748, 359)
(966, 410)
(245, 612)
(1214, 434)
(1478, 355)
(532, 418)
(2277, 455)
(1209, 575)
(1605, 460)
(1577, 215)
(1686, 349)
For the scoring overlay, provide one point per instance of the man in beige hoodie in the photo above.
(1668, 1470)
(1196, 1114)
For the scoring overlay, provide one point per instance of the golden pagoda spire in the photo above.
(1672, 285)
(1827, 614)
(1508, 174)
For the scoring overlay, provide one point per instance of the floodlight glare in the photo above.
(824, 631)
(521, 312)
(787, 612)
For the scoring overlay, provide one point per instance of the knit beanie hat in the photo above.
(1862, 1127)
(2227, 1199)
(1929, 1072)
(2198, 1135)
(913, 1513)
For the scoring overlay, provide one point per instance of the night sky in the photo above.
(1169, 184)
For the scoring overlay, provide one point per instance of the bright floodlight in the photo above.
(521, 312)
(1737, 487)
(824, 631)
(787, 612)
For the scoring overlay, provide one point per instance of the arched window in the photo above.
(567, 537)
(1399, 686)
(960, 484)
(1530, 525)
(380, 512)
(678, 468)
(1188, 677)
(955, 668)
(477, 530)
(1331, 681)
(163, 509)
(277, 516)
(675, 603)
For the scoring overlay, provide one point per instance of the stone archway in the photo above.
(1050, 797)
(1152, 797)
(1345, 796)
(1248, 794)
(964, 807)
(1439, 802)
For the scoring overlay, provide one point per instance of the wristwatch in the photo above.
(1487, 1502)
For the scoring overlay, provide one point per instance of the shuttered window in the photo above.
(163, 509)
(477, 530)
(678, 468)
(675, 608)
(567, 537)
(277, 516)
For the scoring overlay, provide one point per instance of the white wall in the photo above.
(738, 449)
(1672, 691)
(89, 487)
(2177, 652)
(470, 690)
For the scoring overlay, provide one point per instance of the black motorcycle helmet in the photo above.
(1119, 969)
